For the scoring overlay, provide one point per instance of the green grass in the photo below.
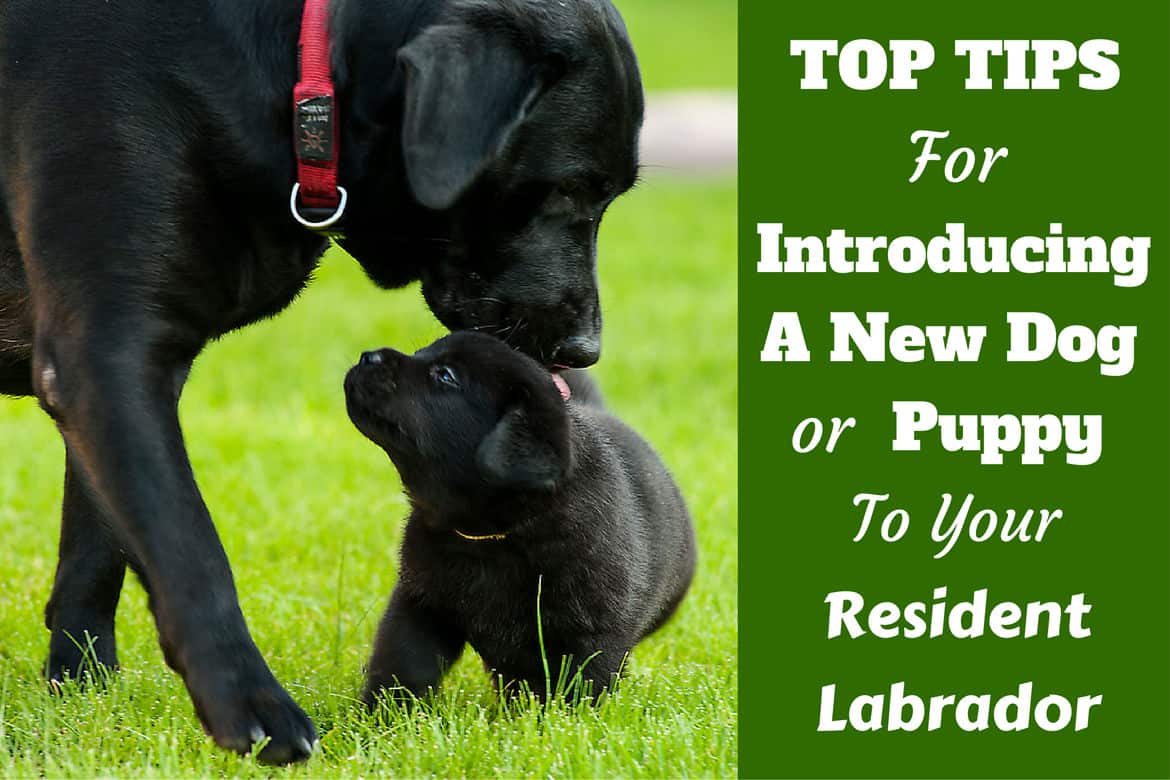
(310, 514)
(683, 43)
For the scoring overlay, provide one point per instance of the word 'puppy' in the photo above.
(512, 485)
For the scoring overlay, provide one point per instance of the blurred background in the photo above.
(311, 513)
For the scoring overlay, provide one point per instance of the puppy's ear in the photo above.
(523, 451)
(467, 90)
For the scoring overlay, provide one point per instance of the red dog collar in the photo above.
(317, 202)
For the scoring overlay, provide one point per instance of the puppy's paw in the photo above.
(391, 693)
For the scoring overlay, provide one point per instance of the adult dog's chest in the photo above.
(255, 278)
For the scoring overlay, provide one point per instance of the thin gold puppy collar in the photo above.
(484, 538)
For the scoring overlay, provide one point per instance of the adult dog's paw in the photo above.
(85, 658)
(244, 717)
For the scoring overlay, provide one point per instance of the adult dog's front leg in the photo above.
(88, 583)
(111, 389)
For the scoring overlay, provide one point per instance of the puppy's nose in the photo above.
(577, 352)
(370, 358)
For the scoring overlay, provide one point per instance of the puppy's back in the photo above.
(648, 511)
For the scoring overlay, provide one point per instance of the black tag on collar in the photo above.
(314, 128)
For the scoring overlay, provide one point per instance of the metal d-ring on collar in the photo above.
(320, 225)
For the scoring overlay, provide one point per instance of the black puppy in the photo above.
(513, 489)
(146, 165)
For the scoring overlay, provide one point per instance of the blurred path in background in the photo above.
(690, 133)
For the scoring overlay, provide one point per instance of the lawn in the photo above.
(310, 514)
(683, 44)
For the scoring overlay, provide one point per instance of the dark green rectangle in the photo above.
(1095, 161)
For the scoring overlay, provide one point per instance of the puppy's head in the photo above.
(463, 418)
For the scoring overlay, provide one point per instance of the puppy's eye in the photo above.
(444, 376)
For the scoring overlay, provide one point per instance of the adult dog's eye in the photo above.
(444, 376)
(562, 200)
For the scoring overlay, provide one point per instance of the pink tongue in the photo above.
(562, 385)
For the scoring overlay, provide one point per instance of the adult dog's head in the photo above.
(519, 123)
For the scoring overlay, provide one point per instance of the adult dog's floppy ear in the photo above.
(467, 89)
(524, 453)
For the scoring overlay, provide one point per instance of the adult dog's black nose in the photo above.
(371, 358)
(577, 352)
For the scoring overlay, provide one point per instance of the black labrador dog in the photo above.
(516, 493)
(146, 159)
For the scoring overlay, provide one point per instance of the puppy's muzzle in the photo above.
(376, 372)
(386, 358)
